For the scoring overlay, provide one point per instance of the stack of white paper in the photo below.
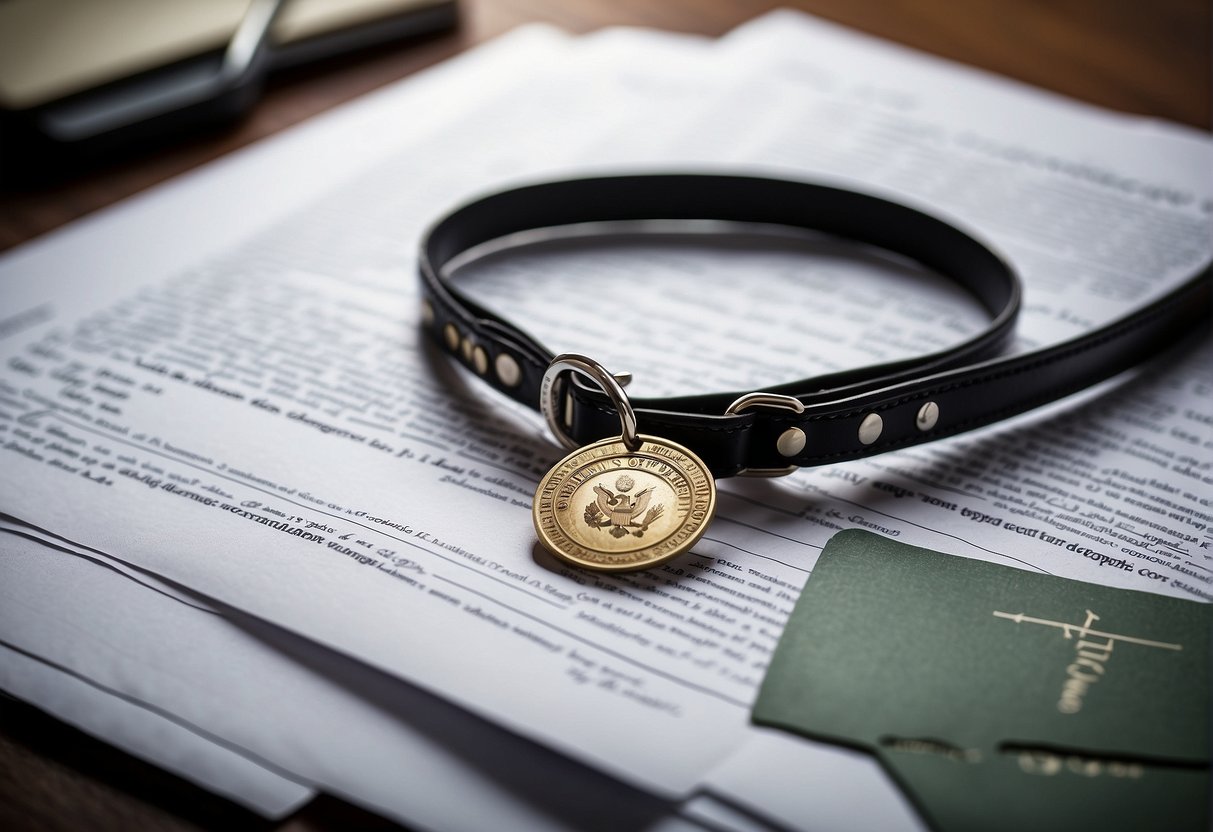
(258, 531)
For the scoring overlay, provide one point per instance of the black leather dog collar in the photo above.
(829, 418)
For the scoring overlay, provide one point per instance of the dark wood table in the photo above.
(1151, 58)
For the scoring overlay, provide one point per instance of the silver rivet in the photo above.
(870, 428)
(467, 350)
(790, 442)
(427, 312)
(480, 360)
(928, 415)
(451, 333)
(508, 370)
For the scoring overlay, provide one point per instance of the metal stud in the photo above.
(480, 360)
(451, 333)
(467, 350)
(870, 428)
(790, 442)
(427, 312)
(508, 370)
(928, 416)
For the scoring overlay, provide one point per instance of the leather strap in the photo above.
(846, 415)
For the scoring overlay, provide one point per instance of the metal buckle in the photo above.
(761, 399)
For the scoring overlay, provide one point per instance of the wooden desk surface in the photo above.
(1147, 58)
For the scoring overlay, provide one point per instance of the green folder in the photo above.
(999, 698)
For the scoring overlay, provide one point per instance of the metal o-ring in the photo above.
(571, 362)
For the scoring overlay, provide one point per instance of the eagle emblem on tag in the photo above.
(620, 512)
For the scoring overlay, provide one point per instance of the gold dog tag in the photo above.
(609, 508)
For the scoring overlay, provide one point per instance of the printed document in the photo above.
(245, 406)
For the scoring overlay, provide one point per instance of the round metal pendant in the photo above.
(607, 508)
